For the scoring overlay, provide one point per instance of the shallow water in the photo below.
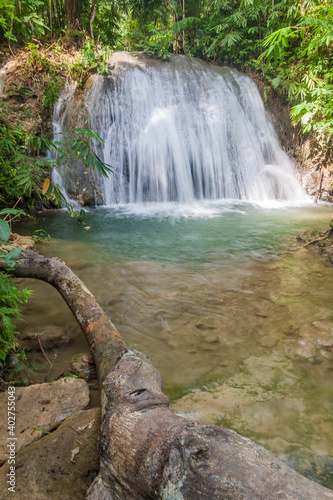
(237, 317)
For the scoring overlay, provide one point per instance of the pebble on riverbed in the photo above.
(82, 365)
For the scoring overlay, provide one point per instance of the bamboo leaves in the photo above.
(80, 149)
(303, 55)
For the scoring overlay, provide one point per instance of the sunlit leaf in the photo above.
(46, 185)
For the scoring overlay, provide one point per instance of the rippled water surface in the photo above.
(235, 314)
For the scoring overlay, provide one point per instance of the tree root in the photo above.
(319, 239)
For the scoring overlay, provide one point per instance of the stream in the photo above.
(233, 312)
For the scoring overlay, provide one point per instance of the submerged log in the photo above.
(146, 451)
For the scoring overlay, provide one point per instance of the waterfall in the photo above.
(185, 130)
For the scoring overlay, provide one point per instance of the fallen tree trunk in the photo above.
(146, 451)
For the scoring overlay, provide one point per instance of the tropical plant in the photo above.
(20, 21)
(90, 60)
(10, 296)
(302, 55)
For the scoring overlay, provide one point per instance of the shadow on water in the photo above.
(237, 317)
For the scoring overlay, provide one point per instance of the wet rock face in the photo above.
(41, 407)
(71, 112)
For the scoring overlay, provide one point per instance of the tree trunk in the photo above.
(72, 10)
(146, 451)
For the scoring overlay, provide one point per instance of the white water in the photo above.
(183, 131)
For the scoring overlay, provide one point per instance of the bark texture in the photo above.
(72, 10)
(146, 451)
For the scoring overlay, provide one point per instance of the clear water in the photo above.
(237, 317)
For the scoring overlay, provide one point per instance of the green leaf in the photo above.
(4, 231)
(12, 211)
(40, 429)
(13, 254)
(90, 134)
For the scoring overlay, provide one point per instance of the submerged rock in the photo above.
(50, 337)
(315, 467)
(207, 324)
(39, 408)
(322, 242)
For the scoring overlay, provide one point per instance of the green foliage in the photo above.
(302, 54)
(10, 296)
(52, 92)
(78, 148)
(81, 149)
(19, 20)
(90, 60)
(21, 170)
(40, 429)
(20, 174)
(22, 370)
(40, 235)
(158, 41)
(187, 23)
(4, 231)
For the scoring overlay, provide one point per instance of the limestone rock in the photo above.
(308, 235)
(62, 465)
(16, 240)
(40, 406)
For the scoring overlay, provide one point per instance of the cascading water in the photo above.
(185, 130)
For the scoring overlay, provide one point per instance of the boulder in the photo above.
(16, 240)
(39, 408)
(61, 465)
